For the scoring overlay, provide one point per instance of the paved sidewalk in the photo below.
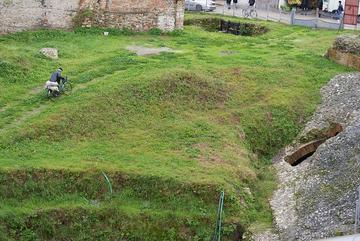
(273, 15)
(262, 14)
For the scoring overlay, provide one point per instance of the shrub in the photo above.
(155, 31)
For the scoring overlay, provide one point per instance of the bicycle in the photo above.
(65, 85)
(249, 12)
(53, 91)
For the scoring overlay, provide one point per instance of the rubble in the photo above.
(316, 198)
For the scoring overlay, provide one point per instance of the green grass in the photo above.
(171, 130)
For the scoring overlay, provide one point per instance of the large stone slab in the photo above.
(144, 51)
(50, 53)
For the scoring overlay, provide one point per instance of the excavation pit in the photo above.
(304, 151)
(226, 26)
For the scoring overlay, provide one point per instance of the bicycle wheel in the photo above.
(253, 13)
(67, 86)
(245, 13)
(48, 93)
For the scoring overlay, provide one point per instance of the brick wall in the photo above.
(142, 15)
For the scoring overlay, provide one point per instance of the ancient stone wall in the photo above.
(136, 15)
(141, 15)
(18, 15)
(317, 198)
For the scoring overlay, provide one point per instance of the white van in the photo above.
(331, 5)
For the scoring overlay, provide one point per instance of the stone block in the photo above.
(50, 53)
(347, 59)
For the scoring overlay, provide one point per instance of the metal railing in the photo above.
(266, 12)
(217, 233)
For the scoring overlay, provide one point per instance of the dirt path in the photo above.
(20, 120)
(2, 109)
(144, 51)
(35, 111)
(36, 90)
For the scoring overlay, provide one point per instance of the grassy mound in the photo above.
(171, 130)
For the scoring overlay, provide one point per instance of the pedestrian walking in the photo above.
(228, 4)
(235, 3)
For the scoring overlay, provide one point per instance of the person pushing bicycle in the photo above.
(56, 76)
(250, 11)
(52, 85)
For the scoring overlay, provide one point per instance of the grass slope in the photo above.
(171, 130)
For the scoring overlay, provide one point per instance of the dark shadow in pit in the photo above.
(305, 151)
(236, 28)
(237, 234)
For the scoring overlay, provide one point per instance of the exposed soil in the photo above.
(36, 90)
(23, 118)
(228, 52)
(144, 51)
(4, 108)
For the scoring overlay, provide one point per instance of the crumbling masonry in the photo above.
(17, 15)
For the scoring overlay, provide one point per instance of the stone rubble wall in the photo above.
(316, 199)
(348, 44)
(346, 51)
(17, 15)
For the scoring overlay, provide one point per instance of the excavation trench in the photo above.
(227, 26)
(302, 152)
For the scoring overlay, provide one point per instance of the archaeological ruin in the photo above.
(17, 15)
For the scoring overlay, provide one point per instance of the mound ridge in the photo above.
(171, 131)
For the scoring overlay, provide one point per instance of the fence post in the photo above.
(280, 15)
(292, 19)
(357, 213)
(341, 24)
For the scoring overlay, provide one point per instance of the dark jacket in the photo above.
(340, 8)
(320, 4)
(56, 77)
